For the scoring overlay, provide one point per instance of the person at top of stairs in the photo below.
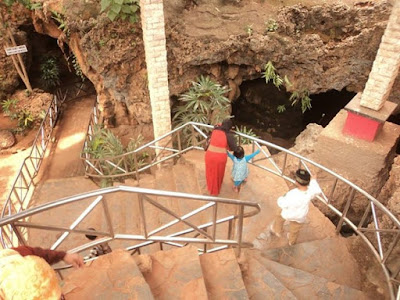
(240, 171)
(222, 138)
(294, 205)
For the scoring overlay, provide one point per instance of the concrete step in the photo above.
(111, 276)
(328, 258)
(261, 284)
(305, 285)
(176, 274)
(222, 275)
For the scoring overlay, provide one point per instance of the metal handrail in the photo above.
(374, 242)
(23, 183)
(18, 220)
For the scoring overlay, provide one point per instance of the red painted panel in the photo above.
(361, 127)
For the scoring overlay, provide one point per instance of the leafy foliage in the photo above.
(61, 21)
(25, 119)
(302, 97)
(247, 131)
(271, 25)
(26, 3)
(270, 74)
(77, 68)
(121, 9)
(281, 108)
(204, 102)
(9, 106)
(249, 30)
(104, 144)
(50, 73)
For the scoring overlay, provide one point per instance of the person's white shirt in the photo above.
(295, 203)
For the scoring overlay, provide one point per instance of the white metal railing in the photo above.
(202, 231)
(22, 187)
(381, 241)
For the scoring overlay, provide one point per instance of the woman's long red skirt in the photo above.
(215, 171)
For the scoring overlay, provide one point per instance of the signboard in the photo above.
(16, 50)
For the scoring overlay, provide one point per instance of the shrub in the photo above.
(204, 102)
(121, 9)
(50, 73)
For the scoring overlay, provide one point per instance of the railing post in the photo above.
(135, 160)
(215, 213)
(141, 208)
(345, 210)
(179, 141)
(240, 229)
(108, 216)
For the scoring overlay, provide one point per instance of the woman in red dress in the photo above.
(222, 139)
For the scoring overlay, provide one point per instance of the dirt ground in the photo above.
(12, 158)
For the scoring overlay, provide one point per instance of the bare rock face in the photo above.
(305, 141)
(319, 48)
(9, 78)
(7, 139)
(390, 197)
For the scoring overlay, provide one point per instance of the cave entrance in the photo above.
(44, 48)
(257, 108)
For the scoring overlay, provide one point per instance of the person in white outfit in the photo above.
(294, 205)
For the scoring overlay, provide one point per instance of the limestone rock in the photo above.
(7, 139)
(305, 141)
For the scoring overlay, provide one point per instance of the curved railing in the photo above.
(381, 241)
(205, 231)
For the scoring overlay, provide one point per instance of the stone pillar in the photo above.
(367, 112)
(152, 15)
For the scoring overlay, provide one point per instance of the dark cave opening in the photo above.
(257, 108)
(41, 48)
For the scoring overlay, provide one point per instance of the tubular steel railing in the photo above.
(22, 187)
(211, 240)
(381, 241)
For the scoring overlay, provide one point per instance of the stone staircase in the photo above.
(319, 266)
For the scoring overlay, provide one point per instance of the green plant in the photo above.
(271, 25)
(104, 144)
(246, 131)
(50, 73)
(270, 74)
(26, 3)
(302, 97)
(281, 108)
(25, 119)
(249, 30)
(62, 24)
(77, 68)
(120, 9)
(204, 102)
(9, 106)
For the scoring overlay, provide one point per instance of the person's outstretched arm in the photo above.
(51, 256)
(231, 156)
(250, 156)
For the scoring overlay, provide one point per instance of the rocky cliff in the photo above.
(319, 46)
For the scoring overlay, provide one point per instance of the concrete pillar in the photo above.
(367, 112)
(152, 15)
(386, 65)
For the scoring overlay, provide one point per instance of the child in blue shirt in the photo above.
(240, 171)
